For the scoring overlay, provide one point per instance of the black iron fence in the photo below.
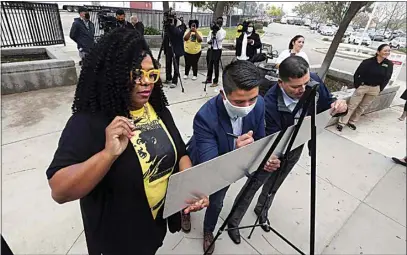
(150, 18)
(30, 24)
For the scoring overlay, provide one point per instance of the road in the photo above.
(279, 35)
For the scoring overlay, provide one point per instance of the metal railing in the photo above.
(150, 18)
(30, 24)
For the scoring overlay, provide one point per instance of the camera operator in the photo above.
(247, 43)
(213, 57)
(121, 20)
(173, 44)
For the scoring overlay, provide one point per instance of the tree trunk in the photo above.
(166, 5)
(391, 16)
(350, 14)
(192, 10)
(220, 6)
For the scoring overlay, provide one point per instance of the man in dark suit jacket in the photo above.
(249, 39)
(237, 110)
(280, 101)
(83, 32)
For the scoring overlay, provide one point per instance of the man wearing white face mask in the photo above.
(247, 43)
(236, 111)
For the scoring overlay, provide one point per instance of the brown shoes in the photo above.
(208, 238)
(214, 85)
(186, 222)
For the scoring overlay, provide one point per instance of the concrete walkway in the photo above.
(361, 194)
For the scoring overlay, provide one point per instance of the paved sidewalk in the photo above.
(361, 197)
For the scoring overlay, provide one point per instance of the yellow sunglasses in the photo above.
(139, 74)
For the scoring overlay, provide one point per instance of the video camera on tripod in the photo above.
(169, 19)
(106, 22)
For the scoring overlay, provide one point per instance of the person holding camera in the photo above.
(173, 46)
(213, 57)
(83, 32)
(121, 20)
(192, 47)
(247, 43)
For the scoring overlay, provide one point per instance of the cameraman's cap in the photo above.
(82, 9)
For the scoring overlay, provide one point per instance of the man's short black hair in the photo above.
(293, 67)
(120, 12)
(219, 18)
(240, 74)
(82, 9)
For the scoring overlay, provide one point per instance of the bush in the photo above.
(265, 23)
(403, 50)
(151, 31)
(260, 31)
(258, 26)
(325, 39)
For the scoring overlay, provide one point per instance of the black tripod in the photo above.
(308, 104)
(210, 52)
(176, 66)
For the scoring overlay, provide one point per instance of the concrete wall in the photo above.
(382, 101)
(33, 75)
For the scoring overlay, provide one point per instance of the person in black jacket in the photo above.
(138, 25)
(119, 148)
(370, 78)
(174, 36)
(83, 32)
(248, 43)
(121, 20)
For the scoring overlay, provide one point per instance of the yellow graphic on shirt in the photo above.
(157, 155)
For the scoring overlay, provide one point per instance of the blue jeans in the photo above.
(214, 209)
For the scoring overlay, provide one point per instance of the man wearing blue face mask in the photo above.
(238, 111)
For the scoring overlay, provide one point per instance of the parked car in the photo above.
(307, 22)
(399, 42)
(356, 37)
(313, 26)
(348, 31)
(298, 22)
(290, 21)
(376, 36)
(283, 20)
(329, 31)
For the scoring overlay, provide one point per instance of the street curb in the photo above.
(339, 55)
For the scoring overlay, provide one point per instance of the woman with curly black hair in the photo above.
(119, 148)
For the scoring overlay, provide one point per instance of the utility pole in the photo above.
(367, 26)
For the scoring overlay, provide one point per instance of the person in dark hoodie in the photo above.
(83, 32)
(248, 42)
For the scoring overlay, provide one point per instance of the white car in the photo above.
(355, 38)
(399, 42)
(327, 31)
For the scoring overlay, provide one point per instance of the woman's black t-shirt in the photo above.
(116, 214)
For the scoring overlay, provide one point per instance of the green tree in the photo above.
(352, 9)
(275, 12)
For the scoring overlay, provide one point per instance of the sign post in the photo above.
(398, 61)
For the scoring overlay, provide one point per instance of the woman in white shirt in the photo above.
(294, 48)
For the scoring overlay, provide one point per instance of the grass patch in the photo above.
(230, 32)
(403, 50)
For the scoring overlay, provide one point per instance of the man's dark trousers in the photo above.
(212, 60)
(168, 68)
(267, 179)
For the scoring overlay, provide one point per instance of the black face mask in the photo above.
(220, 23)
(87, 16)
(121, 21)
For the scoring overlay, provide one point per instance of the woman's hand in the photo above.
(118, 134)
(272, 164)
(196, 204)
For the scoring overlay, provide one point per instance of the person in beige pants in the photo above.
(370, 78)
